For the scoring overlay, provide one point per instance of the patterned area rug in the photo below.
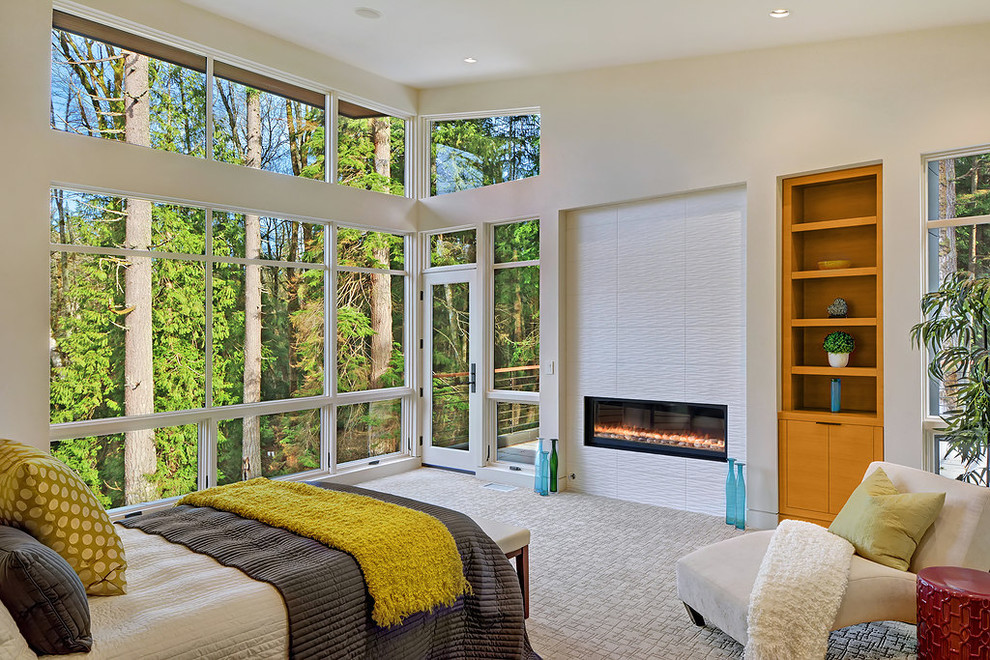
(602, 579)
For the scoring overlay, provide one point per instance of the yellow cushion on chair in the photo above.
(45, 498)
(883, 524)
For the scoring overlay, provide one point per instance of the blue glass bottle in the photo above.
(836, 394)
(538, 468)
(545, 472)
(730, 494)
(740, 498)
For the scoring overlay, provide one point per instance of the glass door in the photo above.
(453, 384)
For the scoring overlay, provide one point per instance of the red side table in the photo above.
(953, 613)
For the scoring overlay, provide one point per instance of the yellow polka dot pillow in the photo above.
(46, 499)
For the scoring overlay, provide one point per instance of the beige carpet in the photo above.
(602, 573)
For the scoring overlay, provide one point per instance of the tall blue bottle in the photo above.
(730, 494)
(538, 468)
(740, 498)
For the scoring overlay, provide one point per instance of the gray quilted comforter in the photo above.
(329, 608)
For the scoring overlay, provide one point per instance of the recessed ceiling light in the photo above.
(470, 60)
(780, 13)
(368, 12)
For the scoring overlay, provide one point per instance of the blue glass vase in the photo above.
(740, 498)
(836, 394)
(545, 472)
(730, 494)
(538, 468)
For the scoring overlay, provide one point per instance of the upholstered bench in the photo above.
(514, 542)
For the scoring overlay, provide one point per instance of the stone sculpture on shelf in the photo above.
(838, 309)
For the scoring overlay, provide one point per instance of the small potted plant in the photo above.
(839, 345)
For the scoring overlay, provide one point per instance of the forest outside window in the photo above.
(267, 124)
(482, 151)
(516, 340)
(371, 294)
(516, 285)
(371, 149)
(958, 225)
(453, 248)
(97, 74)
(368, 430)
(164, 312)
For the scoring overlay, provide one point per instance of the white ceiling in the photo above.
(422, 43)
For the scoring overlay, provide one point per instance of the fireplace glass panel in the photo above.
(661, 427)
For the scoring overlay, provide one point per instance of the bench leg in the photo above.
(696, 617)
(522, 570)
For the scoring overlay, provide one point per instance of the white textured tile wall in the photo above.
(654, 306)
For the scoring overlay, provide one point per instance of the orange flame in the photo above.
(670, 439)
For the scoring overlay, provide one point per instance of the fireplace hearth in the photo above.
(695, 430)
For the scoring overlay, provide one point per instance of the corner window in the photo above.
(471, 153)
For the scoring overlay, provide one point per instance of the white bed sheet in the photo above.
(183, 605)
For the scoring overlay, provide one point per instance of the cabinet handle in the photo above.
(829, 423)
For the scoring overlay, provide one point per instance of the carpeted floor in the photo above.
(602, 573)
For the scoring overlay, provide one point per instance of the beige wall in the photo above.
(643, 131)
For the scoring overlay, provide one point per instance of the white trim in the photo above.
(181, 256)
(371, 271)
(483, 114)
(965, 221)
(512, 396)
(371, 396)
(194, 203)
(956, 153)
(515, 264)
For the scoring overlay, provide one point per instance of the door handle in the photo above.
(474, 380)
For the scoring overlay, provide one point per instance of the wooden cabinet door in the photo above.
(850, 452)
(805, 466)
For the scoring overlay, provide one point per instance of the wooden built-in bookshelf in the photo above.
(822, 455)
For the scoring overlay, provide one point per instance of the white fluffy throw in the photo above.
(797, 593)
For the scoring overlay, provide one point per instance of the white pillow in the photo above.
(12, 643)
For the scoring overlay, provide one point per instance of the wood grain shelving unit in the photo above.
(823, 455)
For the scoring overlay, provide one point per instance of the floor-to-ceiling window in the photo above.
(192, 344)
(957, 222)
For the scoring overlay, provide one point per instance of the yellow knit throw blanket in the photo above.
(409, 559)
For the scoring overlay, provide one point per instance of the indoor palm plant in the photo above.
(956, 334)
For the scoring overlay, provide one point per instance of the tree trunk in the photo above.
(381, 135)
(381, 283)
(251, 438)
(381, 318)
(139, 384)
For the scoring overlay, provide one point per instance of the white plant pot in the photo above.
(838, 359)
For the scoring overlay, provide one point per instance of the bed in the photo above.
(185, 604)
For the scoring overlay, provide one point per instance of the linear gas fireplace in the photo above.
(696, 430)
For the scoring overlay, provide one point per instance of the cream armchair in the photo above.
(715, 582)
